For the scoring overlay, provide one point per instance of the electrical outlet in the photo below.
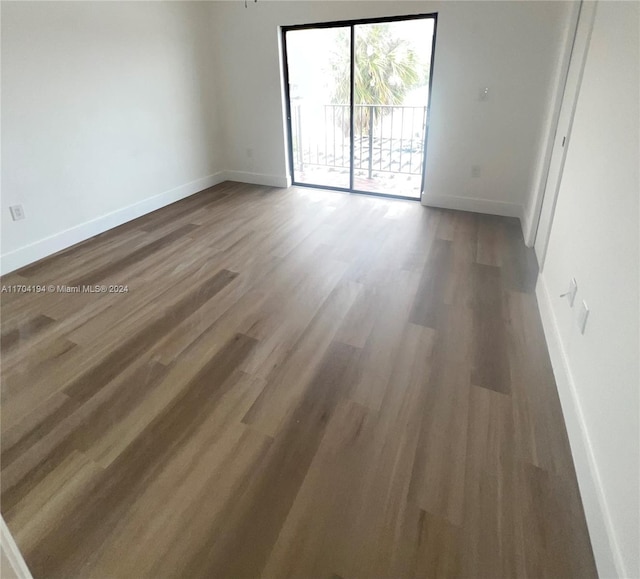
(17, 212)
(475, 171)
(583, 316)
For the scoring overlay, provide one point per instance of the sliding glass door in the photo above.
(357, 103)
(320, 110)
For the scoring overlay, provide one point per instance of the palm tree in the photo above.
(386, 68)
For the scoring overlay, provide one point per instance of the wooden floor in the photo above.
(298, 383)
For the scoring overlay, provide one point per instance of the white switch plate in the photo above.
(583, 316)
(17, 212)
(570, 294)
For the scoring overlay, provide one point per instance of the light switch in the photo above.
(572, 291)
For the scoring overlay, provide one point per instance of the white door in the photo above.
(563, 131)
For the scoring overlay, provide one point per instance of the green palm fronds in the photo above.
(386, 68)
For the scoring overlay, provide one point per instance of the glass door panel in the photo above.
(319, 74)
(392, 62)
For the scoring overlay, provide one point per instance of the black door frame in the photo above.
(352, 24)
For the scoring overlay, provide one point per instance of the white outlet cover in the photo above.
(17, 212)
(583, 316)
(573, 290)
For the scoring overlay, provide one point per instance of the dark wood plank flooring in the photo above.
(297, 383)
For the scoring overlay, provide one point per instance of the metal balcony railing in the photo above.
(387, 138)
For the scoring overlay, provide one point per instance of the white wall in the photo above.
(595, 237)
(511, 47)
(108, 109)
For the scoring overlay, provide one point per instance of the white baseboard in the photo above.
(474, 205)
(11, 554)
(603, 540)
(64, 239)
(54, 243)
(258, 178)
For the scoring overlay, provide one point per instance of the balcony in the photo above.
(388, 153)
